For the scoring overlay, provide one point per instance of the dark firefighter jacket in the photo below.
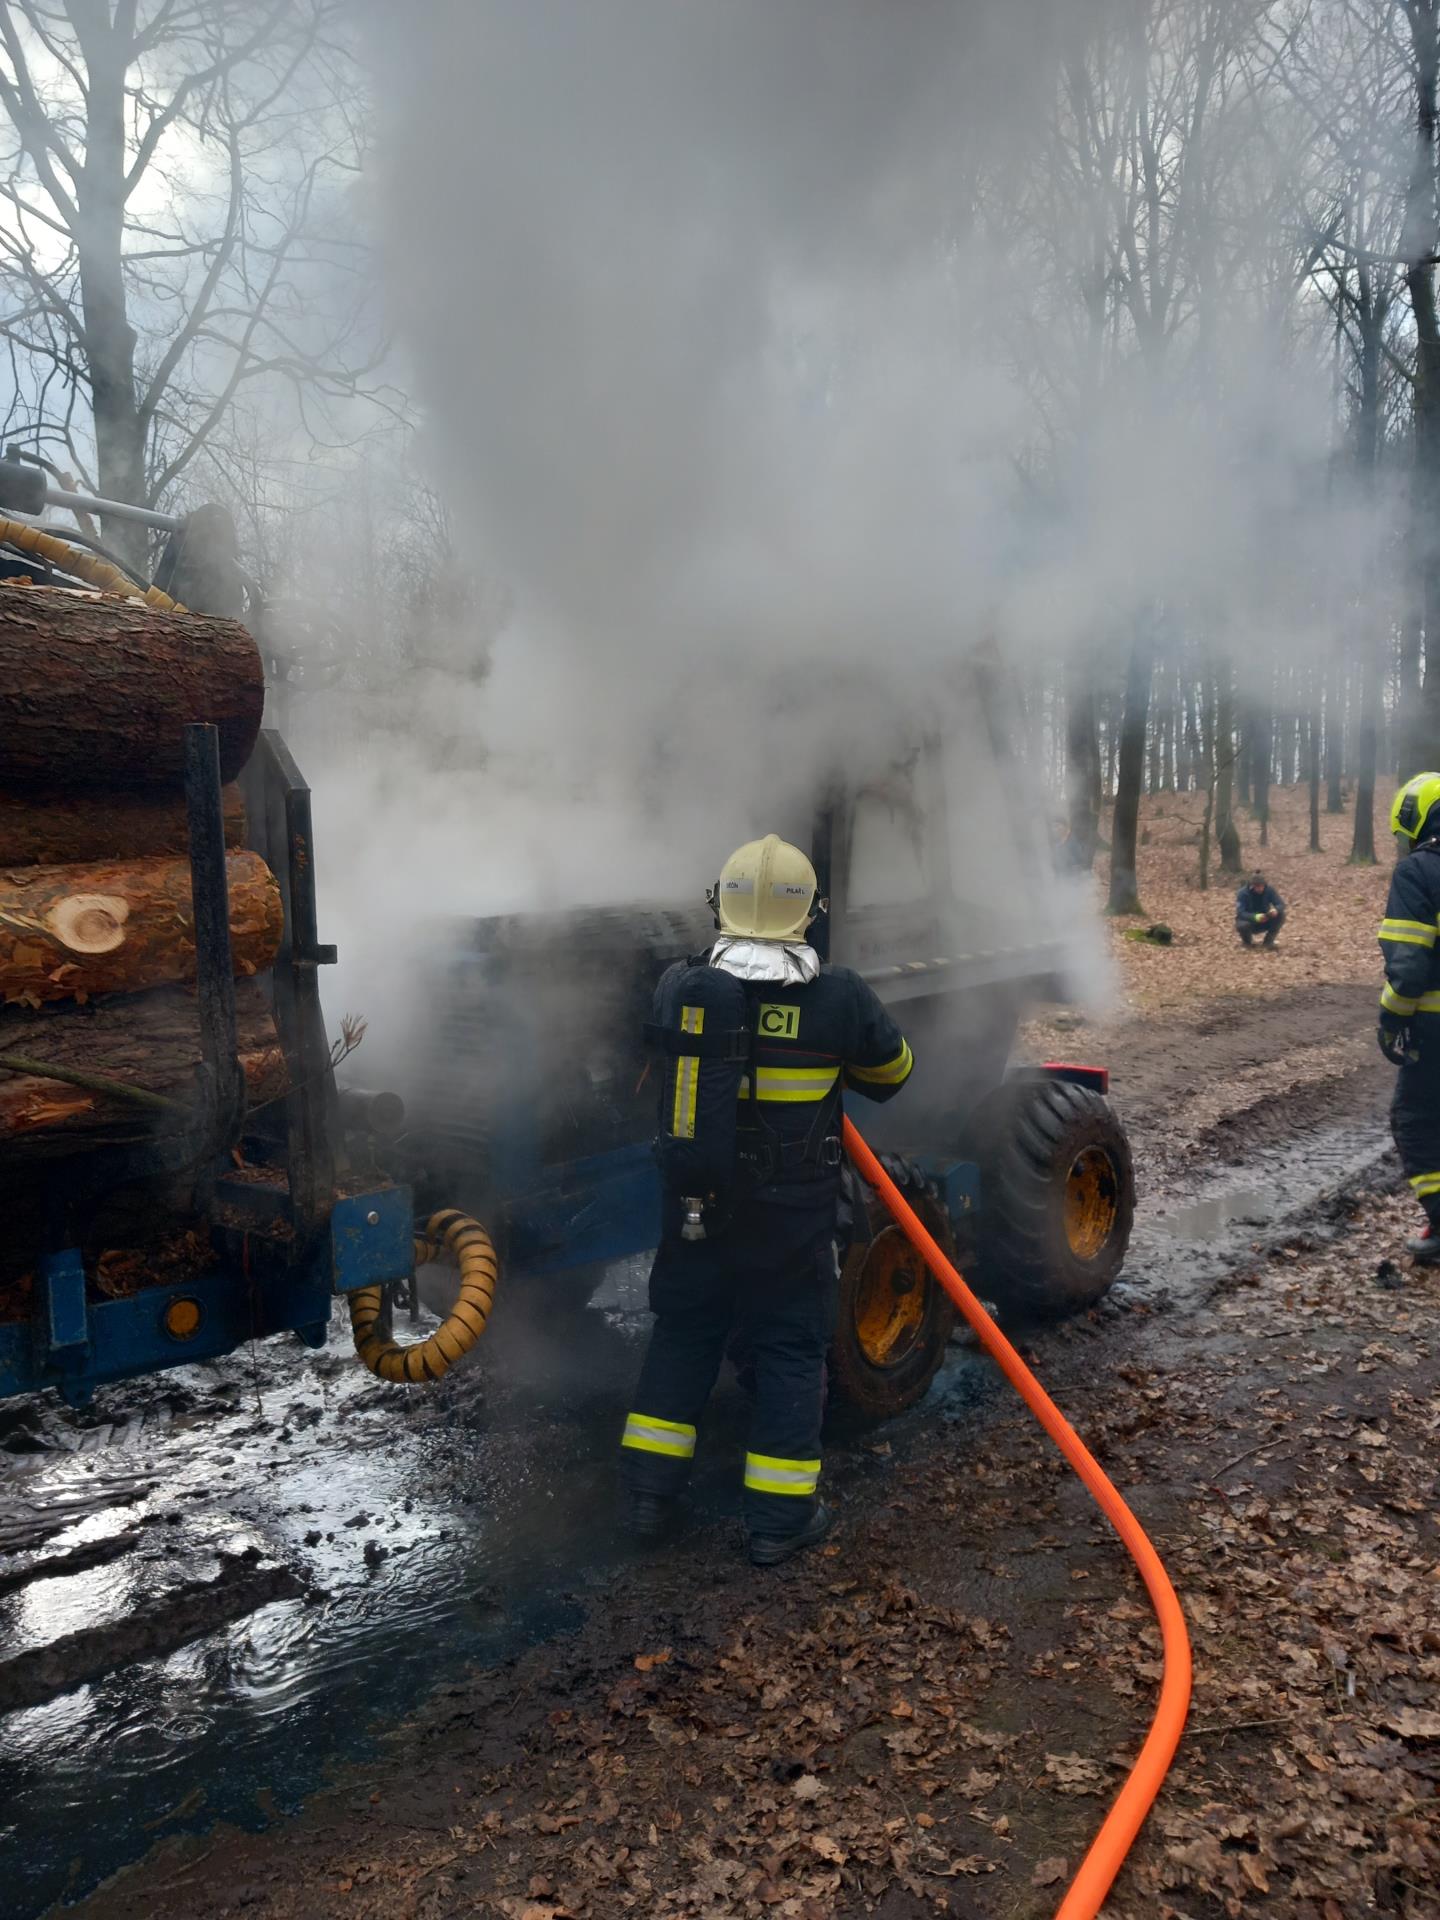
(811, 1044)
(1248, 903)
(1407, 940)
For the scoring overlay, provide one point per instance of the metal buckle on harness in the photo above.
(832, 1150)
(729, 1044)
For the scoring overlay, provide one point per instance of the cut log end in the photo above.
(89, 922)
(67, 933)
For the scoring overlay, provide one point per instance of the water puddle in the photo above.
(427, 1531)
(1208, 1219)
(430, 1531)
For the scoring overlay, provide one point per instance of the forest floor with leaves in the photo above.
(930, 1715)
(1333, 907)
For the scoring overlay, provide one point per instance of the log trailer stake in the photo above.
(1113, 1842)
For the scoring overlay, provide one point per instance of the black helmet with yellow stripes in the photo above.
(1413, 806)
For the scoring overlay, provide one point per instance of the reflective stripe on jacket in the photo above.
(813, 1041)
(1408, 935)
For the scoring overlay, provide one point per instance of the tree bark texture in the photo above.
(39, 829)
(1226, 749)
(1082, 746)
(1124, 892)
(149, 1040)
(1362, 845)
(99, 234)
(96, 692)
(1334, 738)
(1315, 730)
(1263, 742)
(69, 932)
(1418, 242)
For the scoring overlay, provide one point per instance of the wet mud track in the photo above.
(223, 1587)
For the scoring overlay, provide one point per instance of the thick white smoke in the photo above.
(719, 315)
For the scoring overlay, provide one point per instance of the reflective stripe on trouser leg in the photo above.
(690, 1294)
(763, 1474)
(1415, 1123)
(646, 1434)
(656, 1455)
(791, 1315)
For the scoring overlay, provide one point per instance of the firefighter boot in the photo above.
(1424, 1249)
(769, 1549)
(649, 1516)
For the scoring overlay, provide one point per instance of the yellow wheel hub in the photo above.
(1092, 1203)
(890, 1299)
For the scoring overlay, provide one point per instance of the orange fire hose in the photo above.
(1113, 1842)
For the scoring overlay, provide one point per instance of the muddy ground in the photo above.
(459, 1693)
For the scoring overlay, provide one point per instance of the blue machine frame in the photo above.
(75, 1346)
(608, 1208)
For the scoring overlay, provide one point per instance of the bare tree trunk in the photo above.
(1418, 246)
(1262, 751)
(1362, 845)
(1409, 729)
(1334, 736)
(1205, 772)
(1082, 749)
(1199, 765)
(1370, 317)
(99, 248)
(1312, 768)
(1124, 883)
(1226, 832)
(1167, 748)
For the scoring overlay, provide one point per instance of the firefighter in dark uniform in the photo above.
(767, 1268)
(1410, 998)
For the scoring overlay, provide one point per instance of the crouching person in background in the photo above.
(1259, 910)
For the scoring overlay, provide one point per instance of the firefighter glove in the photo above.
(1393, 1035)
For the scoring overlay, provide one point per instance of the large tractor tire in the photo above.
(894, 1318)
(1057, 1197)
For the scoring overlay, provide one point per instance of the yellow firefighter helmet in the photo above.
(766, 891)
(1413, 805)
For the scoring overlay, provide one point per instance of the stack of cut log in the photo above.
(97, 948)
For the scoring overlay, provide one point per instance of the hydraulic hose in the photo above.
(1113, 1842)
(85, 566)
(465, 1242)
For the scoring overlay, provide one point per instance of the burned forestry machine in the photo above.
(180, 1172)
(534, 1105)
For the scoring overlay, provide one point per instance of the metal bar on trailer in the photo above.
(112, 509)
(311, 1118)
(214, 963)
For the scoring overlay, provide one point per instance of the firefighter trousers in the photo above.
(770, 1281)
(1415, 1124)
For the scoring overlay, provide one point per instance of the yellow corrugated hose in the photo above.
(465, 1242)
(88, 567)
